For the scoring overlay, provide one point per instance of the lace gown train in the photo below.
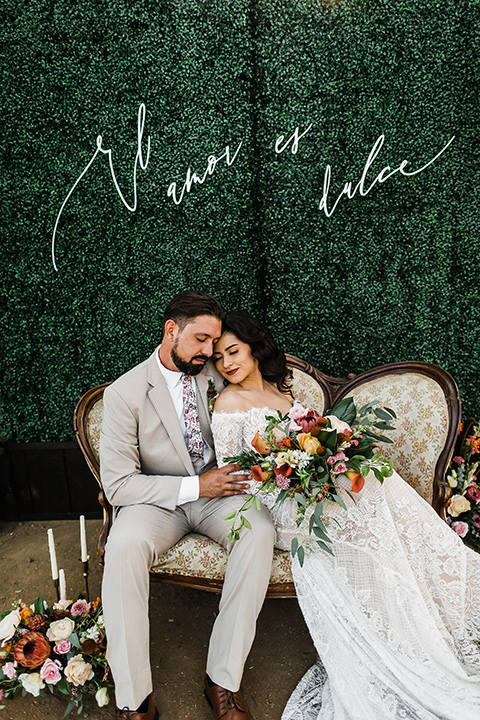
(394, 615)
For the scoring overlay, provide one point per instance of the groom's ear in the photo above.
(212, 372)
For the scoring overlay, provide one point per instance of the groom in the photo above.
(158, 470)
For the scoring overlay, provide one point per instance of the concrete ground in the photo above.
(181, 620)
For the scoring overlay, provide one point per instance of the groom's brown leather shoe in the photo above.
(227, 705)
(151, 714)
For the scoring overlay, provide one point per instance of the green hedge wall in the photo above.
(389, 276)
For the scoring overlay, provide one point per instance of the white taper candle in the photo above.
(53, 555)
(83, 539)
(63, 586)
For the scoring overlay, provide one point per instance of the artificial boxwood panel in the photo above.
(389, 276)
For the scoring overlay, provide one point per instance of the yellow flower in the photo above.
(458, 505)
(308, 443)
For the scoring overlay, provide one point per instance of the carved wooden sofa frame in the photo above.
(426, 400)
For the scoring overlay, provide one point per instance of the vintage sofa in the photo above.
(425, 399)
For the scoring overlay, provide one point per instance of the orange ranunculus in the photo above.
(26, 614)
(358, 481)
(285, 470)
(259, 445)
(32, 650)
(286, 442)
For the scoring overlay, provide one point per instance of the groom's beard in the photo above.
(188, 366)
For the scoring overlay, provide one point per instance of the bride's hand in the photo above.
(218, 482)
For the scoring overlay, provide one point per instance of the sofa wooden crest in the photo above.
(425, 399)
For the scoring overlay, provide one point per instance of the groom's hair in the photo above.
(188, 305)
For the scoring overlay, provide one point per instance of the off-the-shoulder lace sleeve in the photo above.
(227, 431)
(232, 433)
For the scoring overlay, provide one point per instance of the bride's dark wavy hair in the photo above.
(271, 359)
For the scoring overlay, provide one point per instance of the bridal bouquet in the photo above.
(302, 453)
(60, 648)
(463, 511)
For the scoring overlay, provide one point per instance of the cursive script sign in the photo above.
(108, 153)
(177, 194)
(349, 191)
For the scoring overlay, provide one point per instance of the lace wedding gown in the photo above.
(394, 615)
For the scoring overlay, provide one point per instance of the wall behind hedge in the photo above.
(389, 276)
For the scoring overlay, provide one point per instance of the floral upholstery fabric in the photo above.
(94, 423)
(421, 426)
(198, 556)
(307, 391)
(419, 438)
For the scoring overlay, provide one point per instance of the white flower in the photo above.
(60, 630)
(9, 624)
(32, 682)
(452, 481)
(101, 696)
(458, 505)
(78, 671)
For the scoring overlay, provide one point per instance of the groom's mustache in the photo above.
(200, 357)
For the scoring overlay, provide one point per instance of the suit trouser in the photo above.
(139, 535)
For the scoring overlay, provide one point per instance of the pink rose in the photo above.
(461, 528)
(51, 671)
(63, 647)
(297, 412)
(339, 468)
(9, 670)
(458, 460)
(476, 521)
(335, 458)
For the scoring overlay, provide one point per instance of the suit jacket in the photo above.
(143, 455)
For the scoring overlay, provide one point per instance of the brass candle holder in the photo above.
(56, 585)
(85, 575)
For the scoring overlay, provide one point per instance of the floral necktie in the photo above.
(192, 421)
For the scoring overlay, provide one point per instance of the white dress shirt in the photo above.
(190, 486)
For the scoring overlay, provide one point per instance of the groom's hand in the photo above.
(218, 482)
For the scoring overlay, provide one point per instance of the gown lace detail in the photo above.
(394, 615)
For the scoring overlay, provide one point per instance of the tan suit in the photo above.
(143, 457)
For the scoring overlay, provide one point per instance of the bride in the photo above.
(395, 613)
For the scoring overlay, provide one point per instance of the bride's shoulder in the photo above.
(230, 401)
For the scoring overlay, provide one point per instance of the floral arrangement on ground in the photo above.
(60, 648)
(300, 455)
(463, 511)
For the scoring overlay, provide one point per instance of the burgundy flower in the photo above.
(32, 650)
(476, 521)
(36, 622)
(473, 493)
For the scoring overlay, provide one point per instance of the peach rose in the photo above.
(78, 671)
(458, 505)
(308, 443)
(60, 630)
